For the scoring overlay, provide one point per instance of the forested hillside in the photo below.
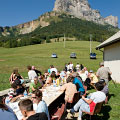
(60, 25)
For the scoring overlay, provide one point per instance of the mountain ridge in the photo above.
(82, 9)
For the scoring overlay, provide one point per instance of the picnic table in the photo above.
(50, 95)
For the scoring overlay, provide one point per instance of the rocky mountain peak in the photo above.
(81, 9)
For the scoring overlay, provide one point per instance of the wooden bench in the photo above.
(76, 98)
(58, 113)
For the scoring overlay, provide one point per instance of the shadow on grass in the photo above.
(103, 115)
(110, 95)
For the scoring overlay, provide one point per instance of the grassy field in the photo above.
(40, 56)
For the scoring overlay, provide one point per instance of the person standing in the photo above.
(103, 73)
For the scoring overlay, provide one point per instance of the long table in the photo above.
(50, 95)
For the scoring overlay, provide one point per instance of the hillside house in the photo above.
(111, 55)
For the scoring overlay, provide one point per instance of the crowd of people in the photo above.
(72, 79)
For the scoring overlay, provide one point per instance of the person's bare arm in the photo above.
(24, 118)
(15, 98)
(87, 100)
(21, 77)
(33, 89)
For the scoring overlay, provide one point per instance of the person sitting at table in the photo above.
(70, 89)
(93, 77)
(14, 76)
(88, 104)
(78, 83)
(42, 79)
(26, 108)
(41, 104)
(6, 113)
(52, 68)
(51, 78)
(18, 87)
(46, 74)
(35, 85)
(18, 90)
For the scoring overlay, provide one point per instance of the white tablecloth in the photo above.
(50, 94)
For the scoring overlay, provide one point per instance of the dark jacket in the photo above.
(38, 116)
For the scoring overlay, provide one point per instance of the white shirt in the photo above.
(98, 97)
(86, 72)
(53, 69)
(32, 74)
(77, 66)
(71, 66)
(68, 67)
(83, 76)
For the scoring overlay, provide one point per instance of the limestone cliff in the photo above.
(42, 21)
(32, 25)
(81, 9)
(112, 20)
(77, 8)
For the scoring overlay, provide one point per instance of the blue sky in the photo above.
(14, 12)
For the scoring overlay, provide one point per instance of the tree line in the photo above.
(71, 27)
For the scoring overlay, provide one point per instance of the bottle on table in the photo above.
(7, 100)
(58, 82)
(54, 83)
(25, 93)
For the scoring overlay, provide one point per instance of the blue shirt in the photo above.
(42, 107)
(81, 88)
(7, 114)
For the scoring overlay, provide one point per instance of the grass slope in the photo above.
(40, 56)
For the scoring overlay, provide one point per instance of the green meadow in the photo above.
(40, 57)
